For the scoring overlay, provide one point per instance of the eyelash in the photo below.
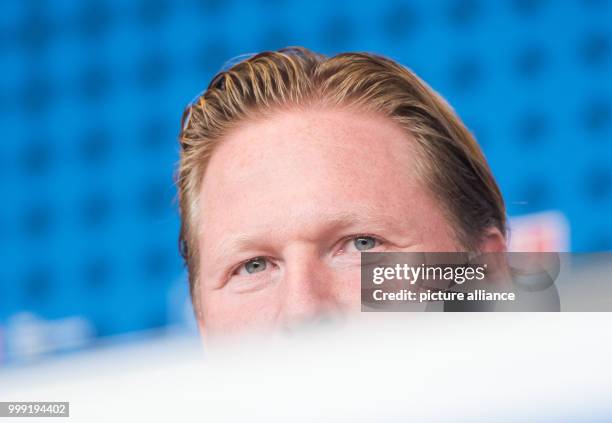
(343, 241)
(235, 270)
(378, 240)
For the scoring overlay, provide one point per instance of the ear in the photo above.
(202, 330)
(493, 241)
(201, 326)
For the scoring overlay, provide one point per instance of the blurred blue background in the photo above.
(92, 93)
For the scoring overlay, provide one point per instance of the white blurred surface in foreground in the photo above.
(378, 367)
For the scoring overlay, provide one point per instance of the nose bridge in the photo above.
(307, 288)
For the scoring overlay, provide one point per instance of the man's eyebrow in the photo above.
(229, 245)
(329, 223)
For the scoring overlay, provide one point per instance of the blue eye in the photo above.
(255, 265)
(363, 243)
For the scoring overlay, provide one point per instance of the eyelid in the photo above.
(347, 238)
(237, 267)
(381, 241)
(376, 237)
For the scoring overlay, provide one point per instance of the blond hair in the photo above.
(454, 167)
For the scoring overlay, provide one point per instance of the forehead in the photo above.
(310, 162)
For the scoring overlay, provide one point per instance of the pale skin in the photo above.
(288, 202)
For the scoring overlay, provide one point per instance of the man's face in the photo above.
(290, 201)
